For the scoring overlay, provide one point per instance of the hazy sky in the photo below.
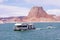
(22, 7)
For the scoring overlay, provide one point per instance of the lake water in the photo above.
(7, 32)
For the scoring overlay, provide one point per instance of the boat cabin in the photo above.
(24, 27)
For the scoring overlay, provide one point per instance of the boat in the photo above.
(50, 27)
(23, 26)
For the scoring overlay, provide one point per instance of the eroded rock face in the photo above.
(37, 14)
(57, 18)
(13, 19)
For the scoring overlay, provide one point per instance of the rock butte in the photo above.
(37, 14)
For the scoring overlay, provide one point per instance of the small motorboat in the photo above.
(51, 27)
(23, 26)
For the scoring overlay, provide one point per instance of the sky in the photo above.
(22, 7)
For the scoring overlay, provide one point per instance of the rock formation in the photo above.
(57, 18)
(12, 20)
(38, 14)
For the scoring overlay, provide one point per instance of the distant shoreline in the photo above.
(38, 22)
(32, 22)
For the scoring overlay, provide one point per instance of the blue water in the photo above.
(7, 32)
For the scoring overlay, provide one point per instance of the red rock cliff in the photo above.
(38, 14)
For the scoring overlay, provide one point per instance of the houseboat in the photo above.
(23, 26)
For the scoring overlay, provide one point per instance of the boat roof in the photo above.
(22, 24)
(18, 24)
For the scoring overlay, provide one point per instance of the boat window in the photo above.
(22, 26)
